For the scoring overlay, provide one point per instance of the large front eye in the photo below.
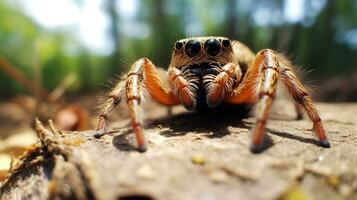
(212, 47)
(226, 43)
(178, 45)
(192, 48)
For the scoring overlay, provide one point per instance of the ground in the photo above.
(194, 156)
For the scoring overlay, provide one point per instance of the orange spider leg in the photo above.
(142, 76)
(267, 70)
(222, 83)
(300, 95)
(268, 65)
(156, 87)
(246, 90)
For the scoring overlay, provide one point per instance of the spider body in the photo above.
(208, 71)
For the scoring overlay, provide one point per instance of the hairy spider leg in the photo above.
(301, 97)
(114, 99)
(260, 86)
(267, 85)
(143, 76)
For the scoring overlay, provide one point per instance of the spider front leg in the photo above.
(142, 77)
(218, 86)
(267, 84)
(270, 70)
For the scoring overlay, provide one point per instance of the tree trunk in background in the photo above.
(231, 19)
(327, 34)
(114, 32)
(161, 33)
(314, 44)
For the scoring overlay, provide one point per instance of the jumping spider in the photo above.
(207, 71)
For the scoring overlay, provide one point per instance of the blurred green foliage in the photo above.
(322, 40)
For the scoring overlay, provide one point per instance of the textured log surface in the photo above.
(193, 156)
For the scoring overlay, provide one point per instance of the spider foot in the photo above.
(324, 143)
(256, 148)
(142, 148)
(99, 133)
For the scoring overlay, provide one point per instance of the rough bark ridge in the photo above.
(193, 156)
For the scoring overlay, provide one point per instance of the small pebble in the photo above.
(5, 161)
(145, 172)
(333, 180)
(320, 158)
(198, 159)
(218, 176)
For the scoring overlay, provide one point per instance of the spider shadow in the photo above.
(125, 141)
(213, 123)
(293, 137)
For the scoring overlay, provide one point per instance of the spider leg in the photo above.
(265, 72)
(269, 68)
(301, 97)
(284, 61)
(218, 86)
(114, 99)
(142, 77)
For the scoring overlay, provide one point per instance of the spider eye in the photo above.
(192, 48)
(212, 47)
(226, 43)
(178, 45)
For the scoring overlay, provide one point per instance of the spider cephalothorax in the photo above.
(199, 61)
(207, 71)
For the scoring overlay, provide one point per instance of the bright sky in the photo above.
(86, 19)
(294, 10)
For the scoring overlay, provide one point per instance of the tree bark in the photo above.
(193, 156)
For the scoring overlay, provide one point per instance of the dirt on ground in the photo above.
(194, 156)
